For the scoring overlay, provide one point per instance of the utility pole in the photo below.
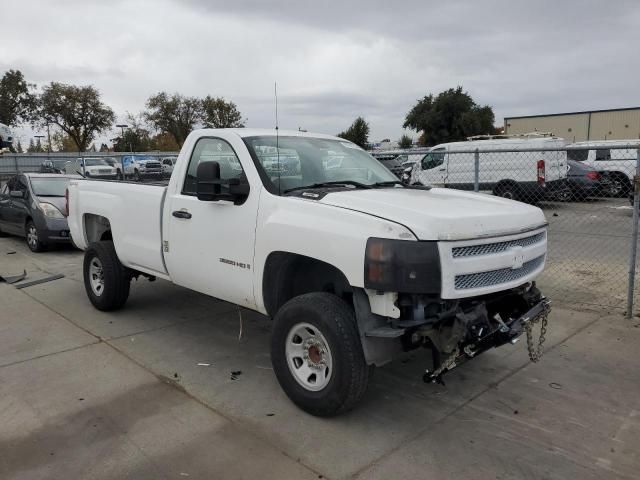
(122, 127)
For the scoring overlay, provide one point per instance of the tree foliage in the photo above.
(137, 137)
(76, 110)
(218, 113)
(405, 141)
(17, 100)
(450, 116)
(357, 133)
(175, 114)
(61, 142)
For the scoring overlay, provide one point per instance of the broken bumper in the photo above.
(507, 332)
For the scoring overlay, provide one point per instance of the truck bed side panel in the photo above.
(134, 212)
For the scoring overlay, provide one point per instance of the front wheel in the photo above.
(317, 355)
(34, 241)
(106, 280)
(136, 176)
(508, 190)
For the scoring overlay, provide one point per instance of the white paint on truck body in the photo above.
(222, 249)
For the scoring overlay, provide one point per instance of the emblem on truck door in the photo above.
(517, 257)
(235, 264)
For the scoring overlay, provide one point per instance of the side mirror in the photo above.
(16, 194)
(210, 188)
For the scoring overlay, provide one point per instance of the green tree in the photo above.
(77, 111)
(137, 137)
(61, 142)
(19, 147)
(174, 114)
(32, 146)
(17, 100)
(405, 141)
(164, 142)
(357, 133)
(450, 116)
(218, 113)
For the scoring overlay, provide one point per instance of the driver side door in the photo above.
(211, 243)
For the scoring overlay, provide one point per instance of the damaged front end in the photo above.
(456, 331)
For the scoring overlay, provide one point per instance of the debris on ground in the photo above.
(235, 374)
(203, 364)
(10, 279)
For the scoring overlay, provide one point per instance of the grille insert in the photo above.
(490, 248)
(496, 277)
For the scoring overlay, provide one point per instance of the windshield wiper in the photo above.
(328, 184)
(389, 183)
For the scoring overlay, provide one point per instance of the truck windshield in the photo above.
(294, 162)
(49, 186)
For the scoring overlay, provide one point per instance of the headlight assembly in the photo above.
(402, 266)
(50, 210)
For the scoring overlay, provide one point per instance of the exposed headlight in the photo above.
(402, 266)
(50, 210)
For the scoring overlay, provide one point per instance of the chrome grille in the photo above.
(489, 248)
(496, 277)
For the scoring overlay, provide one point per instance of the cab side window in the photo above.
(432, 160)
(603, 154)
(212, 150)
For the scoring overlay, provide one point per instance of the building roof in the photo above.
(573, 113)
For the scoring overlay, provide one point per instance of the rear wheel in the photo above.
(34, 241)
(620, 186)
(317, 355)
(106, 280)
(508, 190)
(136, 176)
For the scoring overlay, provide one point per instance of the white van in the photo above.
(620, 163)
(509, 166)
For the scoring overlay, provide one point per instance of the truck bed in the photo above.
(134, 212)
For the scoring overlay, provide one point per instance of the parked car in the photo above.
(585, 182)
(392, 161)
(32, 205)
(115, 163)
(509, 166)
(6, 137)
(167, 165)
(48, 167)
(141, 166)
(353, 266)
(91, 167)
(619, 162)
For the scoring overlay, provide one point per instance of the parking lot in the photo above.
(179, 385)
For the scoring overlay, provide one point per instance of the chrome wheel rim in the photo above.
(96, 276)
(32, 236)
(309, 357)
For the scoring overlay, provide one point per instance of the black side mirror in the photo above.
(209, 186)
(16, 194)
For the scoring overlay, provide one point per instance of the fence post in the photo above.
(634, 237)
(15, 162)
(476, 175)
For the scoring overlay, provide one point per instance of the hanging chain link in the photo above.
(535, 352)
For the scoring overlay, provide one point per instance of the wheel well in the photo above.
(504, 183)
(287, 275)
(96, 228)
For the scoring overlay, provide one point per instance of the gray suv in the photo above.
(32, 206)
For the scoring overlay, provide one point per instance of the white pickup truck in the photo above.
(353, 266)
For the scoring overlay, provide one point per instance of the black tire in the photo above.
(119, 175)
(136, 176)
(349, 375)
(620, 185)
(508, 190)
(116, 278)
(33, 238)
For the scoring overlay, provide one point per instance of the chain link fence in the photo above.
(585, 190)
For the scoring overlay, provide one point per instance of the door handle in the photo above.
(181, 214)
(442, 169)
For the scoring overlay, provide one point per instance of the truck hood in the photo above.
(442, 213)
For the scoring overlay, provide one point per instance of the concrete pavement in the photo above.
(148, 410)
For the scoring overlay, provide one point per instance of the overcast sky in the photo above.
(333, 60)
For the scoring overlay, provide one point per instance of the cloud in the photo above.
(334, 60)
